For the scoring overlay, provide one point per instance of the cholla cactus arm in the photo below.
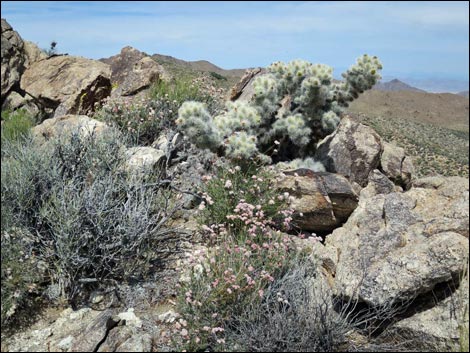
(294, 126)
(361, 76)
(330, 121)
(196, 123)
(241, 145)
(240, 116)
(266, 95)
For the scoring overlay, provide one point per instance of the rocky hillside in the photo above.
(441, 109)
(224, 78)
(119, 233)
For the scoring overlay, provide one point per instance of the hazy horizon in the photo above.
(418, 41)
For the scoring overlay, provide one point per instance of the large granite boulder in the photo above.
(321, 201)
(67, 84)
(396, 246)
(13, 59)
(133, 71)
(353, 150)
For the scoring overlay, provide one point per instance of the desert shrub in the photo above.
(142, 119)
(52, 50)
(179, 90)
(217, 76)
(146, 118)
(234, 189)
(221, 284)
(293, 107)
(297, 314)
(16, 124)
(90, 221)
(239, 218)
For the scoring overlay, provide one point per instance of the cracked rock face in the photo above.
(133, 71)
(13, 58)
(67, 84)
(398, 245)
(353, 150)
(321, 201)
(87, 330)
(396, 165)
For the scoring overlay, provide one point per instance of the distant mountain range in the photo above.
(392, 84)
(396, 85)
(433, 85)
(199, 65)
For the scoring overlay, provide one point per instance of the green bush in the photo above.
(89, 220)
(179, 90)
(142, 120)
(217, 76)
(16, 124)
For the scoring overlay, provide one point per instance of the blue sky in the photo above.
(419, 40)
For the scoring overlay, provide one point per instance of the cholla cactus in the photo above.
(294, 106)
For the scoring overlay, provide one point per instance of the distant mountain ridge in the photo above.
(463, 94)
(199, 65)
(395, 85)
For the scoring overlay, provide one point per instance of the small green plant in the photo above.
(52, 49)
(179, 91)
(145, 119)
(16, 124)
(217, 76)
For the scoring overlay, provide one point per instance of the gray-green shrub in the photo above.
(89, 220)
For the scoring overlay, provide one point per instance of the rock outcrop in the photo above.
(353, 150)
(437, 328)
(87, 330)
(243, 90)
(143, 160)
(13, 59)
(396, 246)
(396, 165)
(321, 201)
(32, 53)
(67, 84)
(133, 71)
